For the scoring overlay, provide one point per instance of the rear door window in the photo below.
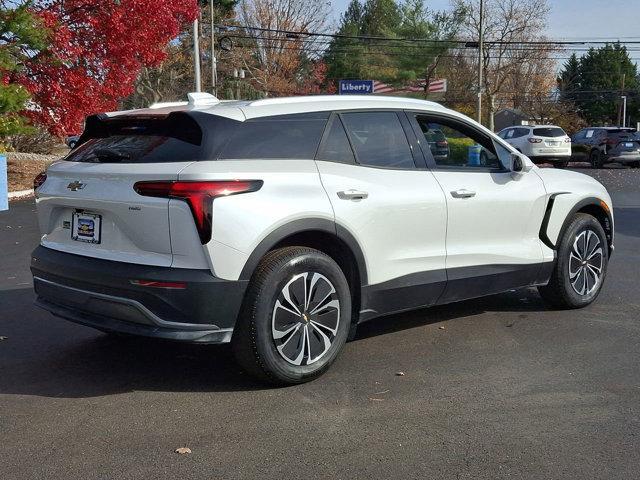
(336, 147)
(379, 139)
(278, 137)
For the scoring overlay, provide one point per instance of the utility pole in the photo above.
(214, 61)
(480, 60)
(196, 54)
(624, 77)
(624, 111)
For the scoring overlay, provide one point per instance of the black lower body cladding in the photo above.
(100, 293)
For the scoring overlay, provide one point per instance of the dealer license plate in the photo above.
(86, 227)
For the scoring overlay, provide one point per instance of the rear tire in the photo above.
(581, 265)
(596, 159)
(295, 318)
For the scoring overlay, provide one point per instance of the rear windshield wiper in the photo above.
(109, 155)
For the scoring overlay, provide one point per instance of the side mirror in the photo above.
(517, 164)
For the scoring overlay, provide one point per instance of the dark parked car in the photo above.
(438, 143)
(72, 141)
(600, 145)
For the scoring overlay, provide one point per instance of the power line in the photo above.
(302, 34)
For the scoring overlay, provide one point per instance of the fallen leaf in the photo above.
(3, 338)
(441, 327)
(183, 450)
(381, 393)
(376, 399)
(400, 374)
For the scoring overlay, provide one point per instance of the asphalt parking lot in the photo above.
(500, 387)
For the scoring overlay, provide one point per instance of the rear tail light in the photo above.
(39, 180)
(535, 140)
(567, 140)
(199, 195)
(611, 141)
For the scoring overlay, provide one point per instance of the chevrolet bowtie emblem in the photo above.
(75, 186)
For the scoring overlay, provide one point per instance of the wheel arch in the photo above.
(561, 208)
(325, 236)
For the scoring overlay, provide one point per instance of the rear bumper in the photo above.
(617, 158)
(99, 293)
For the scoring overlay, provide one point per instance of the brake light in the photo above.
(39, 180)
(199, 195)
(535, 140)
(567, 140)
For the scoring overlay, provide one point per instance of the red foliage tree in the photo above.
(97, 50)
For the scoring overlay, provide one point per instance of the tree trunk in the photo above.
(492, 111)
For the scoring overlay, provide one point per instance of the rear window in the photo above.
(279, 137)
(177, 137)
(549, 132)
(619, 132)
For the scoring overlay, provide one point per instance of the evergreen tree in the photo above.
(392, 61)
(21, 36)
(595, 84)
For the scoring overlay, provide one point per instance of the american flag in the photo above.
(435, 86)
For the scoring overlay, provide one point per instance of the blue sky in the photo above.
(572, 19)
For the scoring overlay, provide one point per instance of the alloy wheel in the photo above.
(586, 262)
(305, 318)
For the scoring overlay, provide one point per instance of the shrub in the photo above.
(37, 141)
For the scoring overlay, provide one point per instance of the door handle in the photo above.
(463, 193)
(352, 195)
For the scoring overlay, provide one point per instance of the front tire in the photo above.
(581, 265)
(295, 318)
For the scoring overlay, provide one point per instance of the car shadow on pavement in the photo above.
(517, 301)
(46, 356)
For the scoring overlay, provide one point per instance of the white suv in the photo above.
(541, 143)
(279, 225)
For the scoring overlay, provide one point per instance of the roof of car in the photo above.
(246, 109)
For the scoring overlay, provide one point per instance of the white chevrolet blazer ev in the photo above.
(279, 225)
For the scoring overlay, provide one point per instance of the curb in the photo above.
(20, 194)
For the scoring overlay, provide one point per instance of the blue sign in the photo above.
(355, 87)
(4, 192)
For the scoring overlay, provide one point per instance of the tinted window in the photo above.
(548, 132)
(336, 147)
(620, 133)
(521, 132)
(152, 139)
(580, 135)
(462, 146)
(378, 139)
(281, 137)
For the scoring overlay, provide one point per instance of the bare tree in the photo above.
(512, 70)
(273, 58)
